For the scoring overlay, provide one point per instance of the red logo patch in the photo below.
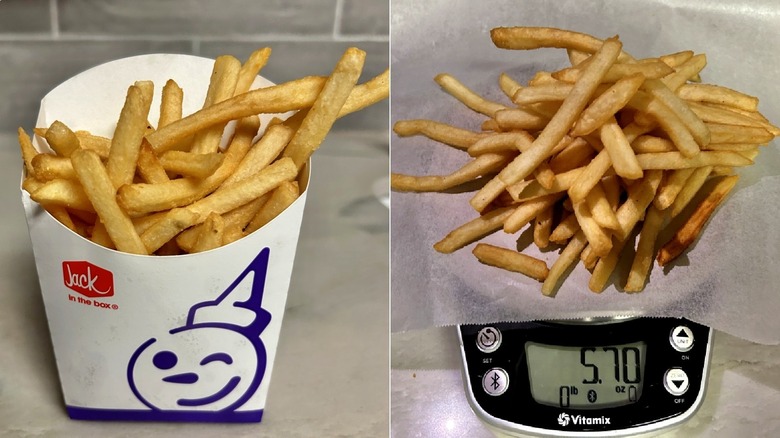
(87, 279)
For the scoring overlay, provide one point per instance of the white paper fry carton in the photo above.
(174, 338)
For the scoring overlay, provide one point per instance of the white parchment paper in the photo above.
(728, 280)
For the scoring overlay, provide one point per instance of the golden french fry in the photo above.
(261, 154)
(549, 92)
(129, 132)
(685, 71)
(648, 144)
(191, 164)
(607, 104)
(478, 167)
(645, 250)
(48, 167)
(567, 258)
(101, 145)
(601, 208)
(511, 260)
(210, 236)
(589, 257)
(515, 119)
(572, 106)
(238, 194)
(149, 167)
(508, 85)
(288, 96)
(674, 59)
(490, 125)
(598, 239)
(326, 107)
(139, 199)
(251, 68)
(441, 132)
(467, 96)
(61, 139)
(62, 215)
(678, 107)
(676, 160)
(591, 175)
(28, 151)
(577, 154)
(62, 192)
(473, 230)
(670, 187)
(525, 190)
(686, 194)
(528, 38)
(710, 114)
(235, 222)
(667, 120)
(528, 210)
(650, 70)
(222, 86)
(244, 191)
(171, 104)
(100, 236)
(576, 56)
(717, 94)
(367, 93)
(100, 190)
(690, 231)
(544, 175)
(501, 142)
(605, 266)
(543, 228)
(738, 134)
(621, 155)
(565, 229)
(640, 195)
(281, 198)
(172, 223)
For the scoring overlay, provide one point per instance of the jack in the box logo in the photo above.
(216, 360)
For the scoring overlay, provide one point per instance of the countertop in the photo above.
(428, 399)
(331, 375)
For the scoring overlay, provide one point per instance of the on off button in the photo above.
(681, 338)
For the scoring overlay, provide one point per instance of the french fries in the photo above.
(176, 187)
(602, 148)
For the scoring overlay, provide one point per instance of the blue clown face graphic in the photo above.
(216, 361)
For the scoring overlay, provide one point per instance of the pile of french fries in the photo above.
(171, 189)
(591, 152)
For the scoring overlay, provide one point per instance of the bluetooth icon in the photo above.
(495, 381)
(496, 378)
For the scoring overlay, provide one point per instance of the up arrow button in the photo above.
(681, 338)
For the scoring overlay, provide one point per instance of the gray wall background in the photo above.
(44, 42)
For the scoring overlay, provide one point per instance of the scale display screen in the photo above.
(587, 377)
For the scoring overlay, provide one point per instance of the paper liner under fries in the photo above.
(174, 338)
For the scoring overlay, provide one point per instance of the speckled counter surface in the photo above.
(428, 400)
(331, 375)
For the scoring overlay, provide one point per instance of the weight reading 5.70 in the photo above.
(626, 362)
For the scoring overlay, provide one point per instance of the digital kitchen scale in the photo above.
(585, 378)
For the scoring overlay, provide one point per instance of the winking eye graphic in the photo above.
(216, 361)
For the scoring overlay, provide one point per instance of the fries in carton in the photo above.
(176, 338)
